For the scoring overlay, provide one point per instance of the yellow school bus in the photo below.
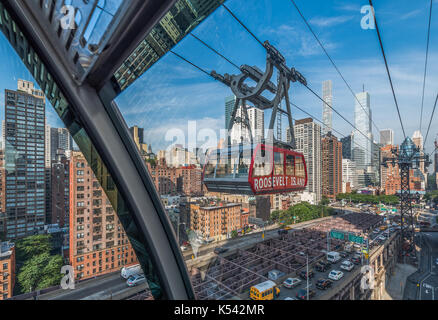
(267, 290)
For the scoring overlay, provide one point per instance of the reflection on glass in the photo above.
(60, 206)
(182, 18)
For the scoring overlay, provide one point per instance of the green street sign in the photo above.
(337, 235)
(355, 239)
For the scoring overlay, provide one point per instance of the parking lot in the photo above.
(348, 275)
(285, 292)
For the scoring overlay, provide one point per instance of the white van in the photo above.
(126, 272)
(333, 257)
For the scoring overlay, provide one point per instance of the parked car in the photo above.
(343, 254)
(275, 274)
(291, 282)
(220, 250)
(321, 267)
(290, 298)
(347, 265)
(302, 294)
(303, 274)
(323, 284)
(355, 260)
(282, 232)
(135, 280)
(335, 275)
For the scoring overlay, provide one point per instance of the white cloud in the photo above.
(410, 14)
(330, 21)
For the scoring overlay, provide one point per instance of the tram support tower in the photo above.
(407, 157)
(243, 92)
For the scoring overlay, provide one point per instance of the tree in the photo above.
(32, 246)
(275, 215)
(324, 201)
(40, 272)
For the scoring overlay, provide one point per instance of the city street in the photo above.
(423, 284)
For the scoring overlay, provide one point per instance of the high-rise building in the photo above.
(308, 140)
(436, 162)
(61, 142)
(7, 270)
(376, 163)
(417, 139)
(362, 141)
(389, 173)
(346, 147)
(98, 243)
(256, 118)
(327, 113)
(179, 21)
(47, 146)
(138, 136)
(257, 123)
(349, 177)
(229, 106)
(60, 192)
(240, 133)
(331, 166)
(24, 160)
(387, 137)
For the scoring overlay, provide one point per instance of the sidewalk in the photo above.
(397, 282)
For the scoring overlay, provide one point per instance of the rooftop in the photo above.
(6, 248)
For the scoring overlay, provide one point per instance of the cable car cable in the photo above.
(316, 119)
(333, 63)
(331, 107)
(431, 118)
(243, 25)
(215, 51)
(387, 67)
(425, 64)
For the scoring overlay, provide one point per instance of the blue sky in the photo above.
(172, 92)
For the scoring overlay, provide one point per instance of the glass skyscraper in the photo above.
(24, 160)
(327, 112)
(361, 144)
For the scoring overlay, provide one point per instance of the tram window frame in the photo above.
(245, 162)
(210, 168)
(278, 167)
(290, 164)
(229, 170)
(300, 169)
(265, 155)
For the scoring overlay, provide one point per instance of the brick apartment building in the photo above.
(98, 243)
(216, 222)
(2, 194)
(331, 166)
(7, 270)
(390, 175)
(60, 192)
(185, 180)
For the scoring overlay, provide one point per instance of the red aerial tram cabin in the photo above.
(266, 170)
